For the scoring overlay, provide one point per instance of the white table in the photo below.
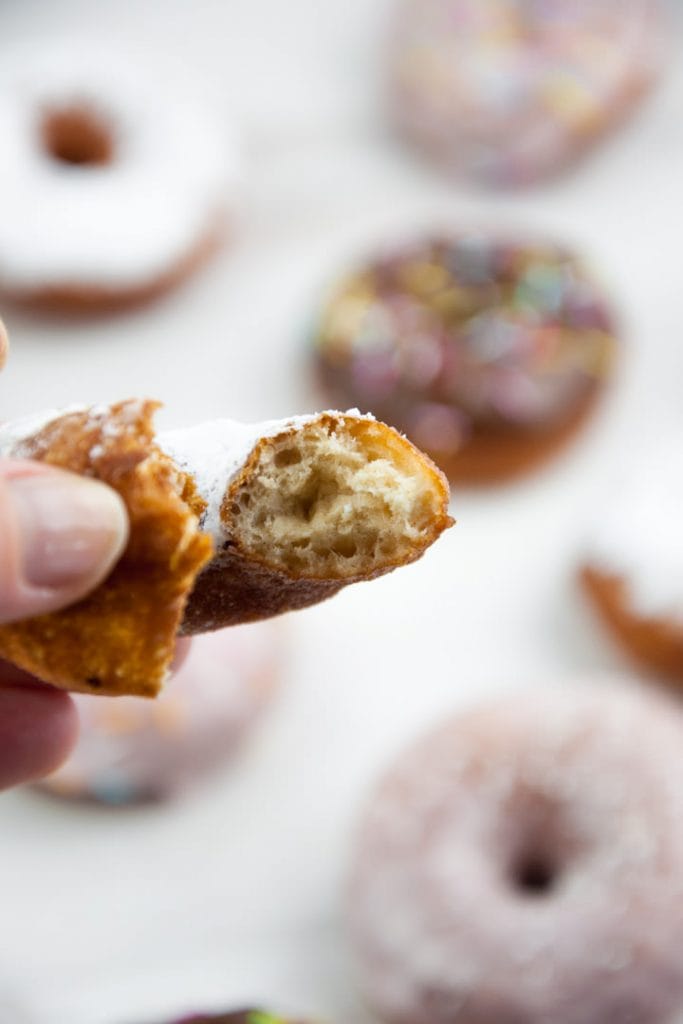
(234, 895)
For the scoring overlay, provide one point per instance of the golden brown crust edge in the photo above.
(653, 643)
(121, 638)
(240, 587)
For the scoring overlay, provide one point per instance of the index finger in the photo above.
(4, 344)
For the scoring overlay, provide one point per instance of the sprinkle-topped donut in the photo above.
(523, 864)
(115, 183)
(487, 352)
(632, 568)
(510, 91)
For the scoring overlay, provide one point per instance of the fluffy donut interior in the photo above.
(338, 498)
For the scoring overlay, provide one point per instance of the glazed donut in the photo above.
(131, 751)
(115, 184)
(523, 864)
(632, 567)
(488, 353)
(230, 523)
(511, 91)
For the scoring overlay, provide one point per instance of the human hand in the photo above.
(60, 535)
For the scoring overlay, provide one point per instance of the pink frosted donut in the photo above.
(133, 750)
(523, 864)
(510, 91)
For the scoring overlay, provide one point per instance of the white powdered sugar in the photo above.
(122, 223)
(511, 862)
(638, 536)
(214, 452)
(12, 434)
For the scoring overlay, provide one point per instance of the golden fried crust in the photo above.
(121, 638)
(654, 643)
(241, 587)
(235, 588)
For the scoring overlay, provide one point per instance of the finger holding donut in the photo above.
(46, 562)
(229, 523)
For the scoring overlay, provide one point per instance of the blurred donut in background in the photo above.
(133, 751)
(116, 184)
(487, 352)
(524, 862)
(632, 567)
(508, 92)
(239, 1017)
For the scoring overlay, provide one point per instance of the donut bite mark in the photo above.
(229, 523)
(320, 502)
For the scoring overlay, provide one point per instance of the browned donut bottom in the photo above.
(79, 299)
(654, 643)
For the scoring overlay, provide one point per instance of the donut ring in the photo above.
(488, 353)
(508, 93)
(131, 751)
(115, 184)
(229, 523)
(524, 862)
(632, 568)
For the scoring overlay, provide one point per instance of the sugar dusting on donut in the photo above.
(524, 863)
(119, 211)
(637, 536)
(214, 452)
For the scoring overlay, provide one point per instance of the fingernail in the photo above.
(71, 529)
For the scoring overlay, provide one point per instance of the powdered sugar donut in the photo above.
(115, 182)
(488, 351)
(133, 751)
(633, 563)
(510, 91)
(524, 863)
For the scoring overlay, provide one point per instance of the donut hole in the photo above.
(78, 136)
(535, 874)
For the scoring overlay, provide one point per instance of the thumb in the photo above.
(60, 535)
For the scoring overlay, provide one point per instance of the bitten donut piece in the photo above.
(523, 863)
(317, 502)
(632, 566)
(121, 638)
(292, 510)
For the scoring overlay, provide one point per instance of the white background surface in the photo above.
(234, 895)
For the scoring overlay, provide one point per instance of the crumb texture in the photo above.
(341, 498)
